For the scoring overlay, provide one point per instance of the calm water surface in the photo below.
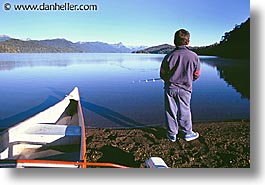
(32, 82)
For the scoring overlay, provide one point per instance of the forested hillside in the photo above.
(19, 46)
(11, 45)
(234, 44)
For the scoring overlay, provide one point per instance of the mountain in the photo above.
(137, 48)
(161, 49)
(19, 46)
(100, 47)
(128, 49)
(234, 44)
(58, 46)
(80, 47)
(120, 46)
(4, 38)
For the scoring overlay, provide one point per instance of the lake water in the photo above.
(111, 94)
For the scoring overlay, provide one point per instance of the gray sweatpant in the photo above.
(177, 109)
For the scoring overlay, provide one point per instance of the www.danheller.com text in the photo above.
(51, 7)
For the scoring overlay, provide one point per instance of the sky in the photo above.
(134, 23)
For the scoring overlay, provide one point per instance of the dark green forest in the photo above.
(234, 44)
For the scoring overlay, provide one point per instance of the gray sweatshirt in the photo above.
(180, 68)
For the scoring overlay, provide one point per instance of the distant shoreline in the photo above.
(234, 44)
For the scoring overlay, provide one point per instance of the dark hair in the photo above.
(182, 37)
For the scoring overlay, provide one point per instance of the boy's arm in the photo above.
(163, 70)
(163, 75)
(197, 71)
(196, 75)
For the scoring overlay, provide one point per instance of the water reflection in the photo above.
(123, 60)
(33, 82)
(235, 72)
(13, 120)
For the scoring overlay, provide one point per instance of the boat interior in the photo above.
(60, 140)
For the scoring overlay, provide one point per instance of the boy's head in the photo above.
(182, 38)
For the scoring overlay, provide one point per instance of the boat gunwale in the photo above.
(73, 95)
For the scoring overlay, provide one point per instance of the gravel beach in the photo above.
(220, 145)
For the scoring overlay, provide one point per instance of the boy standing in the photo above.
(178, 70)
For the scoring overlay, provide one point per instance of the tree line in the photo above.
(234, 44)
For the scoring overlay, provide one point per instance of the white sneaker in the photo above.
(190, 137)
(172, 138)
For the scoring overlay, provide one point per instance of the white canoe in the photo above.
(55, 134)
(52, 138)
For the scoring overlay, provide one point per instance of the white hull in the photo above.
(56, 133)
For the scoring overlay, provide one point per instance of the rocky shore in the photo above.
(220, 145)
